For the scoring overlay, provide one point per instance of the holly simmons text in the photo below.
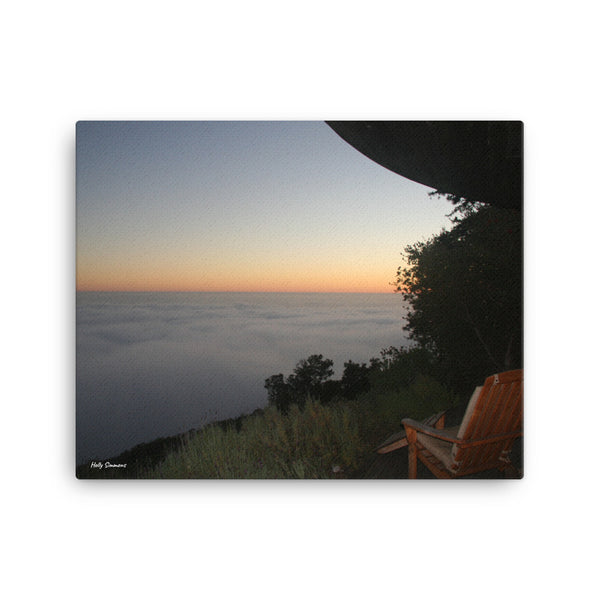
(107, 465)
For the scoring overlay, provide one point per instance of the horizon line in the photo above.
(126, 291)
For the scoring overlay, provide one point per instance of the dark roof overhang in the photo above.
(478, 160)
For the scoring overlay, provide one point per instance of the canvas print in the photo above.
(299, 299)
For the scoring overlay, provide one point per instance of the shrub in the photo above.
(305, 443)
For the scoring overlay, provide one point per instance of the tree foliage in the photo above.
(399, 367)
(309, 375)
(355, 380)
(465, 291)
(311, 378)
(308, 380)
(279, 393)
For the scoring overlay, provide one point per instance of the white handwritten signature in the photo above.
(107, 465)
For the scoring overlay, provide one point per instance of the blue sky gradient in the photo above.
(240, 206)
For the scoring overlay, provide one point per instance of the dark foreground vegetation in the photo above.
(146, 456)
(314, 436)
(464, 289)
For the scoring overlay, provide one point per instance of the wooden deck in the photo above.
(394, 465)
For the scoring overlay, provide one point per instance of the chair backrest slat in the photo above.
(496, 410)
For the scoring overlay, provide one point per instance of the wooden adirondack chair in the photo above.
(491, 423)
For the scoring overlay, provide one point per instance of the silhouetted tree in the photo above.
(355, 380)
(309, 375)
(331, 390)
(465, 291)
(279, 393)
(399, 367)
(310, 378)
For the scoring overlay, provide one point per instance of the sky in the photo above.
(274, 206)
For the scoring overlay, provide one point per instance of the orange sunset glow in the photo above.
(240, 206)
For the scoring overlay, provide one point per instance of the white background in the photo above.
(65, 61)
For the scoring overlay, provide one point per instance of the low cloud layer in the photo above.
(150, 365)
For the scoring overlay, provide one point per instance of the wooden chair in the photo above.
(491, 423)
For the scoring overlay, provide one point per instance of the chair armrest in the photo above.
(398, 440)
(428, 430)
(440, 435)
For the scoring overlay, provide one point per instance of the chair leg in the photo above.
(411, 435)
(511, 472)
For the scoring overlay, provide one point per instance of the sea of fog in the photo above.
(157, 364)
